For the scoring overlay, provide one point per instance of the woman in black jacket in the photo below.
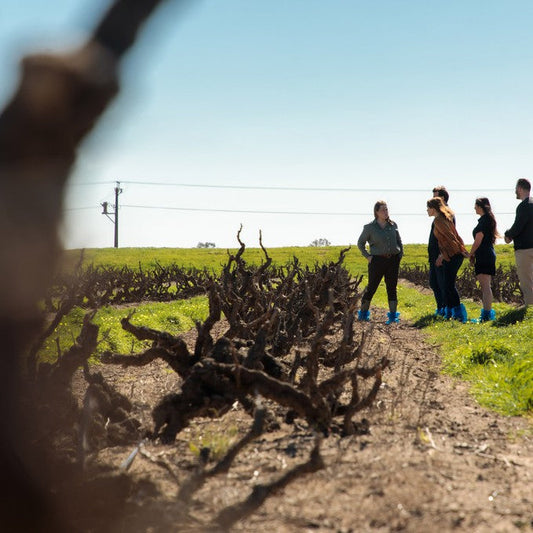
(483, 256)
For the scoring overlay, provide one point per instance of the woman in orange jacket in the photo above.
(452, 252)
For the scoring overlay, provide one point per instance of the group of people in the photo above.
(446, 253)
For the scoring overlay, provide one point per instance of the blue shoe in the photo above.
(448, 313)
(363, 316)
(459, 313)
(486, 316)
(393, 318)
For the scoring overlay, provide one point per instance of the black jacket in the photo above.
(522, 229)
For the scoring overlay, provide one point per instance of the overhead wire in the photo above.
(262, 188)
(267, 212)
(276, 187)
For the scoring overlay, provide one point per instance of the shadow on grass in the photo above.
(505, 319)
(512, 317)
(427, 320)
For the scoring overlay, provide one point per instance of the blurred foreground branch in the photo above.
(58, 101)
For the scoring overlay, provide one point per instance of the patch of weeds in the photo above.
(217, 442)
(457, 362)
(174, 320)
(505, 387)
(63, 337)
(490, 353)
(173, 317)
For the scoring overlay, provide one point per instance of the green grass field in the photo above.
(496, 358)
(214, 258)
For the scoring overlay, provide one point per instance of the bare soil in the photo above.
(426, 458)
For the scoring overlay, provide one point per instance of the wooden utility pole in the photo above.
(118, 190)
(105, 212)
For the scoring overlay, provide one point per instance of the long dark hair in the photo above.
(487, 209)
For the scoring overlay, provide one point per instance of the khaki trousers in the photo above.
(524, 268)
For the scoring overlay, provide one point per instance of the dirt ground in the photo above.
(426, 458)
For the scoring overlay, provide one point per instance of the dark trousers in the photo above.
(451, 268)
(436, 282)
(378, 268)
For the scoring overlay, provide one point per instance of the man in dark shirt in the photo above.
(521, 232)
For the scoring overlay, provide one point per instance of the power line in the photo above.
(251, 211)
(88, 183)
(266, 212)
(277, 188)
(261, 211)
(281, 188)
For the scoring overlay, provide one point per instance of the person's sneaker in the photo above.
(363, 316)
(459, 313)
(486, 316)
(393, 318)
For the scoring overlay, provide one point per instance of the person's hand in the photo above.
(507, 239)
(369, 258)
(472, 259)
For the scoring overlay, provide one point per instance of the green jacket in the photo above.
(382, 241)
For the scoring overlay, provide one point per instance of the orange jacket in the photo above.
(450, 243)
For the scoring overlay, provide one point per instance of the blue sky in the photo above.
(317, 108)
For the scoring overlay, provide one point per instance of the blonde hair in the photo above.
(442, 209)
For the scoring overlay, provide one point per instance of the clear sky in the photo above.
(316, 109)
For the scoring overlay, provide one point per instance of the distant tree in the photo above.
(206, 245)
(320, 242)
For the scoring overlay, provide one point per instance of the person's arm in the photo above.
(476, 245)
(399, 241)
(519, 223)
(440, 258)
(361, 243)
(442, 236)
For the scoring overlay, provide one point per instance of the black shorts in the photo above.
(486, 263)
